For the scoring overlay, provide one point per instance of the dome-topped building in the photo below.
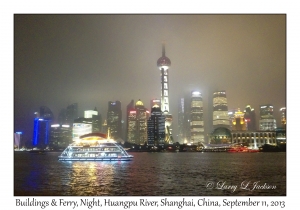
(139, 103)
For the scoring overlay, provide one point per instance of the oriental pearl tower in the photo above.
(163, 64)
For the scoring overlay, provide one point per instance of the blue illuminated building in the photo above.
(41, 130)
(41, 133)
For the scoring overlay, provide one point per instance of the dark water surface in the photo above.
(153, 174)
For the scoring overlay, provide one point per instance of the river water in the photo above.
(153, 174)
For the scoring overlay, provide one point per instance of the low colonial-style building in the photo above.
(252, 139)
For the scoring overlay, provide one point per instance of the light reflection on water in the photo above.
(151, 174)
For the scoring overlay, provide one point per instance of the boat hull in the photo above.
(125, 158)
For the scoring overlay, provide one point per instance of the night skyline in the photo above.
(93, 59)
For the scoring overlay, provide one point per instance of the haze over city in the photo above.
(93, 59)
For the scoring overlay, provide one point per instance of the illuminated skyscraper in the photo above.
(196, 118)
(114, 120)
(156, 127)
(267, 121)
(231, 114)
(60, 136)
(90, 123)
(283, 116)
(250, 118)
(220, 110)
(238, 123)
(142, 116)
(137, 123)
(17, 141)
(41, 130)
(131, 122)
(95, 118)
(181, 121)
(163, 64)
(155, 102)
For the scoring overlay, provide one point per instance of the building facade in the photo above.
(231, 114)
(155, 102)
(251, 139)
(156, 128)
(137, 117)
(238, 122)
(220, 110)
(196, 118)
(250, 118)
(41, 133)
(267, 121)
(68, 115)
(181, 121)
(95, 118)
(283, 116)
(41, 128)
(254, 139)
(114, 120)
(60, 136)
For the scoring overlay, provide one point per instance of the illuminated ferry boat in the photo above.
(94, 147)
(241, 149)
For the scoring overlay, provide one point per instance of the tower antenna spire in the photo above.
(163, 49)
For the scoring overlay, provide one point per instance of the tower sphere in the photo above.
(163, 61)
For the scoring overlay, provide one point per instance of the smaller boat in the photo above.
(37, 151)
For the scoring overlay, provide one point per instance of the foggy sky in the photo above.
(93, 59)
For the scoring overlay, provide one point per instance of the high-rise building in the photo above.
(267, 121)
(163, 64)
(283, 116)
(41, 130)
(71, 113)
(250, 118)
(181, 121)
(156, 127)
(281, 131)
(90, 123)
(60, 136)
(68, 115)
(46, 113)
(17, 139)
(131, 122)
(239, 123)
(62, 116)
(137, 123)
(104, 127)
(196, 118)
(220, 110)
(95, 118)
(231, 114)
(155, 102)
(131, 126)
(114, 120)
